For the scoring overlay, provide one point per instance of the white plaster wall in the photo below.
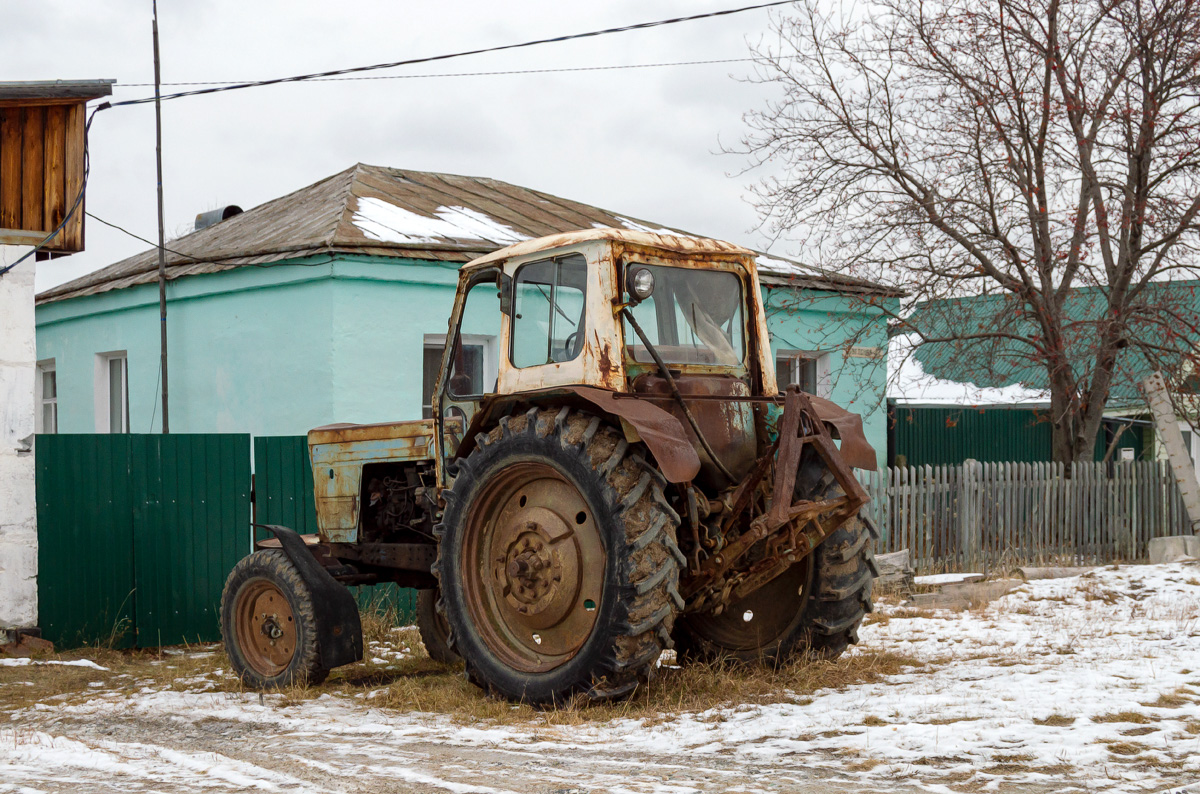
(18, 513)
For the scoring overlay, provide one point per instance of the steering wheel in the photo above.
(454, 412)
(569, 343)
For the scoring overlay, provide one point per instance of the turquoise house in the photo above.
(330, 304)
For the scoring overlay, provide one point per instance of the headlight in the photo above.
(640, 283)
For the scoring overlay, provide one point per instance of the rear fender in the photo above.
(339, 629)
(662, 433)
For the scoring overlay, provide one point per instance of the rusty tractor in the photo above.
(609, 471)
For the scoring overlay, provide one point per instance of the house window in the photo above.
(46, 387)
(807, 369)
(478, 365)
(112, 392)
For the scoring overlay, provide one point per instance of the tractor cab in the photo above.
(592, 309)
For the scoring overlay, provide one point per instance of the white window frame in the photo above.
(491, 360)
(41, 400)
(824, 377)
(101, 384)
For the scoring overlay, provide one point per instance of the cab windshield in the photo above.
(691, 317)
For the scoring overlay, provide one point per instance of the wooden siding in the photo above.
(41, 174)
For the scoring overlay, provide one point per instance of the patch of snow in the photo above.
(780, 267)
(634, 226)
(21, 662)
(909, 384)
(946, 578)
(381, 220)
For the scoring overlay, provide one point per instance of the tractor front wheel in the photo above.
(269, 624)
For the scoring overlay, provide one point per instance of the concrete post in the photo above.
(18, 513)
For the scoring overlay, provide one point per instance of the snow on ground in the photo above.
(1090, 683)
(21, 662)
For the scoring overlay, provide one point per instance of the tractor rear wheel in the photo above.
(435, 631)
(814, 607)
(557, 560)
(269, 624)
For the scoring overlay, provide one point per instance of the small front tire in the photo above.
(269, 624)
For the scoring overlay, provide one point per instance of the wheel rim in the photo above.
(762, 618)
(533, 567)
(266, 628)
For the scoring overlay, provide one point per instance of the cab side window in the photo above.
(473, 363)
(549, 304)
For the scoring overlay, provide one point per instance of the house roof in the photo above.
(378, 211)
(987, 355)
(55, 89)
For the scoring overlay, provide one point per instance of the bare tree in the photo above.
(1044, 152)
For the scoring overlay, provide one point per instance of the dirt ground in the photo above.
(1085, 684)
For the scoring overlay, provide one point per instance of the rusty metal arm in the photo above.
(791, 530)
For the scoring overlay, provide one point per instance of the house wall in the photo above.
(279, 350)
(248, 350)
(18, 514)
(837, 326)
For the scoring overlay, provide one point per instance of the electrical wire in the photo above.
(87, 167)
(449, 56)
(188, 259)
(336, 74)
(463, 74)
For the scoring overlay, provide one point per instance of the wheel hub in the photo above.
(534, 535)
(265, 627)
(533, 572)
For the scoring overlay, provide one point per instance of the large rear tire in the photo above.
(269, 624)
(557, 560)
(815, 607)
(435, 631)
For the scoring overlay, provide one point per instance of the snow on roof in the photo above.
(383, 221)
(908, 384)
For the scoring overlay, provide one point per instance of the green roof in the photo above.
(1167, 317)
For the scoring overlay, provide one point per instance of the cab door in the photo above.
(470, 362)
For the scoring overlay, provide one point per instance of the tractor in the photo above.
(610, 470)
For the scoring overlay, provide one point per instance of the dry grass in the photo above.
(1139, 731)
(407, 680)
(1055, 721)
(865, 765)
(873, 721)
(1124, 716)
(1172, 701)
(1126, 748)
(1192, 727)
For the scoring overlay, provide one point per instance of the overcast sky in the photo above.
(641, 142)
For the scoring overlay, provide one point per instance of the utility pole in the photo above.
(162, 256)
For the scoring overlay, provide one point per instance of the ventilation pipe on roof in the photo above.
(206, 219)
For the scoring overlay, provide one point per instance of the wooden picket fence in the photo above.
(992, 516)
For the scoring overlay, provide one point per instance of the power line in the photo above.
(464, 74)
(188, 259)
(432, 58)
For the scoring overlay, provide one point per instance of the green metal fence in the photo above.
(136, 534)
(939, 435)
